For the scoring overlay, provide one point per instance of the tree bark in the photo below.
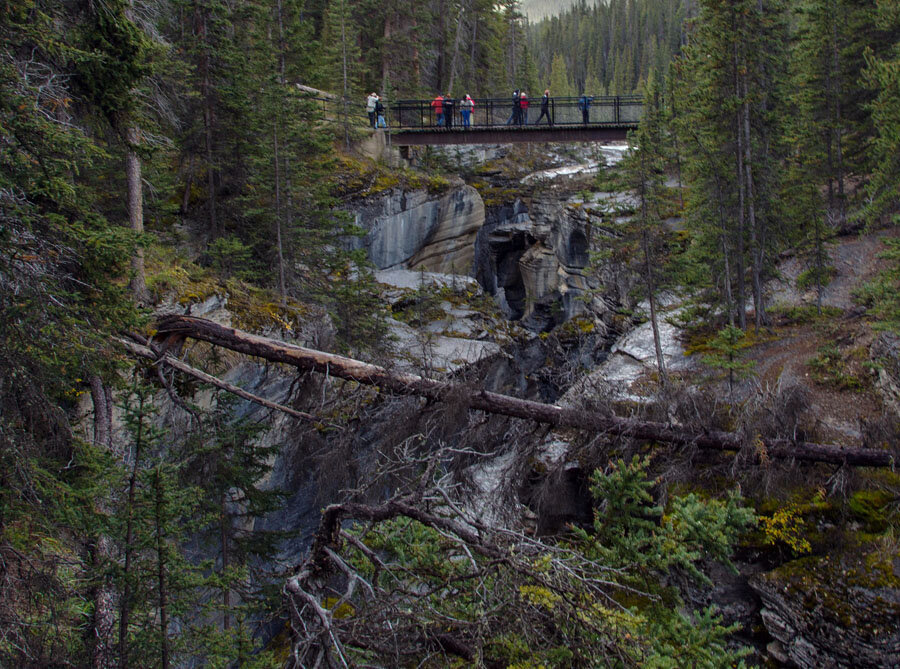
(129, 540)
(756, 250)
(723, 225)
(226, 592)
(454, 59)
(103, 622)
(482, 400)
(208, 118)
(138, 283)
(161, 575)
(739, 157)
(188, 182)
(282, 290)
(278, 209)
(649, 279)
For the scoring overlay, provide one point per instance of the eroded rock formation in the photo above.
(422, 231)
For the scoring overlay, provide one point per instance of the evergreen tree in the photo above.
(63, 267)
(882, 75)
(727, 352)
(228, 461)
(731, 81)
(559, 78)
(643, 173)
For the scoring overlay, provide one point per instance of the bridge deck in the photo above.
(501, 135)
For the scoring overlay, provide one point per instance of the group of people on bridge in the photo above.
(519, 113)
(443, 110)
(444, 106)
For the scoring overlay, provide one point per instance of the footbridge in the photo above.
(498, 121)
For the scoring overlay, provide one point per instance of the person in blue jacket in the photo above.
(584, 104)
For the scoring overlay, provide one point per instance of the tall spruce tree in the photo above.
(882, 76)
(643, 170)
(731, 81)
(226, 459)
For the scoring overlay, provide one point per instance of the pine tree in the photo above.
(226, 459)
(63, 267)
(339, 63)
(643, 173)
(882, 75)
(559, 78)
(727, 354)
(731, 79)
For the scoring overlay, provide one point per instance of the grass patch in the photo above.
(790, 314)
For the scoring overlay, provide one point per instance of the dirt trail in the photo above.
(785, 359)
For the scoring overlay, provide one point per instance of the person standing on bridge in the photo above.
(523, 108)
(370, 108)
(379, 113)
(545, 109)
(514, 114)
(465, 110)
(438, 105)
(448, 111)
(584, 104)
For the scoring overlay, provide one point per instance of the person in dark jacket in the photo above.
(379, 114)
(584, 104)
(514, 114)
(448, 111)
(545, 109)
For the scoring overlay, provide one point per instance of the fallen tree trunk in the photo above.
(163, 358)
(411, 384)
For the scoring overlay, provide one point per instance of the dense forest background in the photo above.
(132, 130)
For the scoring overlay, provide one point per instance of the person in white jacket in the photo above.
(465, 109)
(370, 107)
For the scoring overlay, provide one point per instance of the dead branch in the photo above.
(560, 417)
(164, 358)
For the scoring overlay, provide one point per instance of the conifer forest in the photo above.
(331, 336)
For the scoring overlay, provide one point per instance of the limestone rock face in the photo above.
(420, 231)
(533, 260)
(824, 612)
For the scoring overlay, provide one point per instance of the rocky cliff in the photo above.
(532, 258)
(420, 230)
(833, 611)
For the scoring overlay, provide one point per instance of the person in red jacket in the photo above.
(438, 105)
(523, 104)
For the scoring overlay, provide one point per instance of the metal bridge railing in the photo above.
(613, 110)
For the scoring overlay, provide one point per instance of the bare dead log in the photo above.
(482, 400)
(145, 352)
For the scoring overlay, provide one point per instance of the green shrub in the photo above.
(808, 279)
